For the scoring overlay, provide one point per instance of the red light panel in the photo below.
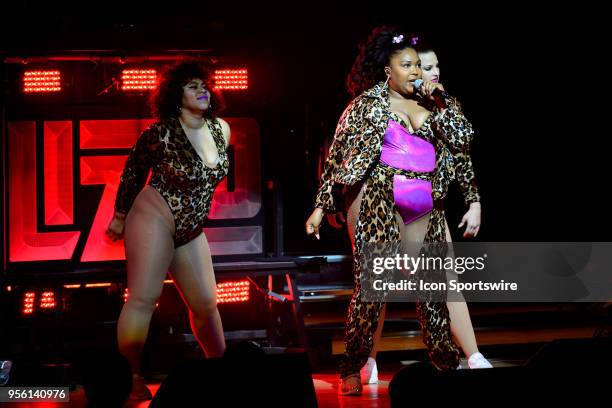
(233, 292)
(28, 302)
(232, 79)
(47, 300)
(138, 79)
(41, 81)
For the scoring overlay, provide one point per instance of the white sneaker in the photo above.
(369, 372)
(477, 360)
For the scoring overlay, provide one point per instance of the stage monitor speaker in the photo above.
(559, 371)
(244, 379)
(589, 355)
(423, 383)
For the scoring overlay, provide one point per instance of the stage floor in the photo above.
(502, 346)
(325, 383)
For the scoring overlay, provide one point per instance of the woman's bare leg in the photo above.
(461, 324)
(149, 248)
(192, 271)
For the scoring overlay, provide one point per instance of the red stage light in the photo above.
(98, 285)
(233, 291)
(138, 79)
(232, 79)
(28, 302)
(47, 300)
(41, 81)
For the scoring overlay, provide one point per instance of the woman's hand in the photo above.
(314, 222)
(116, 227)
(472, 219)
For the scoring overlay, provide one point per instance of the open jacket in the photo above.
(358, 140)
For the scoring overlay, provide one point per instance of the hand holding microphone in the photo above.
(432, 90)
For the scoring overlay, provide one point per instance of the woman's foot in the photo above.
(477, 360)
(139, 389)
(350, 385)
(369, 372)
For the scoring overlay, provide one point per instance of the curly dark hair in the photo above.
(374, 55)
(168, 96)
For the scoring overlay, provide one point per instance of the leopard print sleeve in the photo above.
(464, 168)
(142, 157)
(454, 127)
(464, 173)
(337, 151)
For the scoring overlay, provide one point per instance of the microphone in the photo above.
(436, 93)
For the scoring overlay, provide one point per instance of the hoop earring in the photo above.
(386, 85)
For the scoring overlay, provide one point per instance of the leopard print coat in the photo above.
(354, 157)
